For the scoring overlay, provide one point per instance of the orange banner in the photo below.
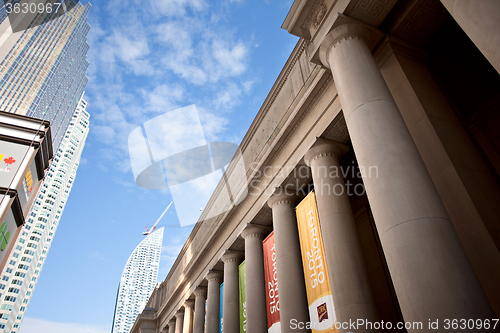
(319, 292)
(271, 277)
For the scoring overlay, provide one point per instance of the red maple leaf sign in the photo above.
(9, 160)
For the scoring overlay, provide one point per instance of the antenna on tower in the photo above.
(147, 232)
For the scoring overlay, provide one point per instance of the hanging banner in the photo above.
(221, 329)
(319, 292)
(243, 301)
(271, 277)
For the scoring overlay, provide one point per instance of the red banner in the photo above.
(272, 298)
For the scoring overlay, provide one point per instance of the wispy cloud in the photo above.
(32, 325)
(98, 255)
(163, 55)
(176, 7)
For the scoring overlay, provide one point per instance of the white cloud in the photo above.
(105, 134)
(163, 97)
(130, 49)
(198, 54)
(143, 64)
(212, 124)
(32, 325)
(230, 58)
(176, 7)
(248, 85)
(228, 98)
(98, 255)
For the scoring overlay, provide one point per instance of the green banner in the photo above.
(243, 301)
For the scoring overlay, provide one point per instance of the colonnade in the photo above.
(420, 244)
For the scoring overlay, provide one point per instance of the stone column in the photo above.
(188, 316)
(291, 285)
(179, 321)
(231, 304)
(171, 326)
(479, 20)
(432, 275)
(214, 279)
(199, 309)
(351, 289)
(255, 284)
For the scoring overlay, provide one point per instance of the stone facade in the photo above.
(407, 94)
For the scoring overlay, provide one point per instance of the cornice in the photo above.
(275, 90)
(315, 15)
(327, 83)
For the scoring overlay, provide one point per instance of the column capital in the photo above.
(200, 291)
(179, 314)
(230, 256)
(283, 195)
(346, 28)
(189, 304)
(252, 230)
(171, 322)
(214, 276)
(324, 147)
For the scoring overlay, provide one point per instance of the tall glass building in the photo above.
(43, 75)
(43, 68)
(138, 281)
(25, 264)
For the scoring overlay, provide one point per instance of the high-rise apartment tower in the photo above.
(25, 264)
(138, 281)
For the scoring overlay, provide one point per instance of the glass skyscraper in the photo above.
(25, 264)
(43, 68)
(43, 75)
(138, 281)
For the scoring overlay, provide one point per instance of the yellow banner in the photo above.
(319, 292)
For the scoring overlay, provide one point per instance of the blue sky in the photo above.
(148, 57)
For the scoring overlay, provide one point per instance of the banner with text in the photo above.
(243, 302)
(221, 323)
(271, 277)
(319, 293)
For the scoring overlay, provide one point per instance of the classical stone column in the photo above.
(214, 279)
(351, 289)
(480, 21)
(432, 275)
(188, 316)
(199, 309)
(255, 284)
(231, 304)
(171, 326)
(291, 285)
(179, 321)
